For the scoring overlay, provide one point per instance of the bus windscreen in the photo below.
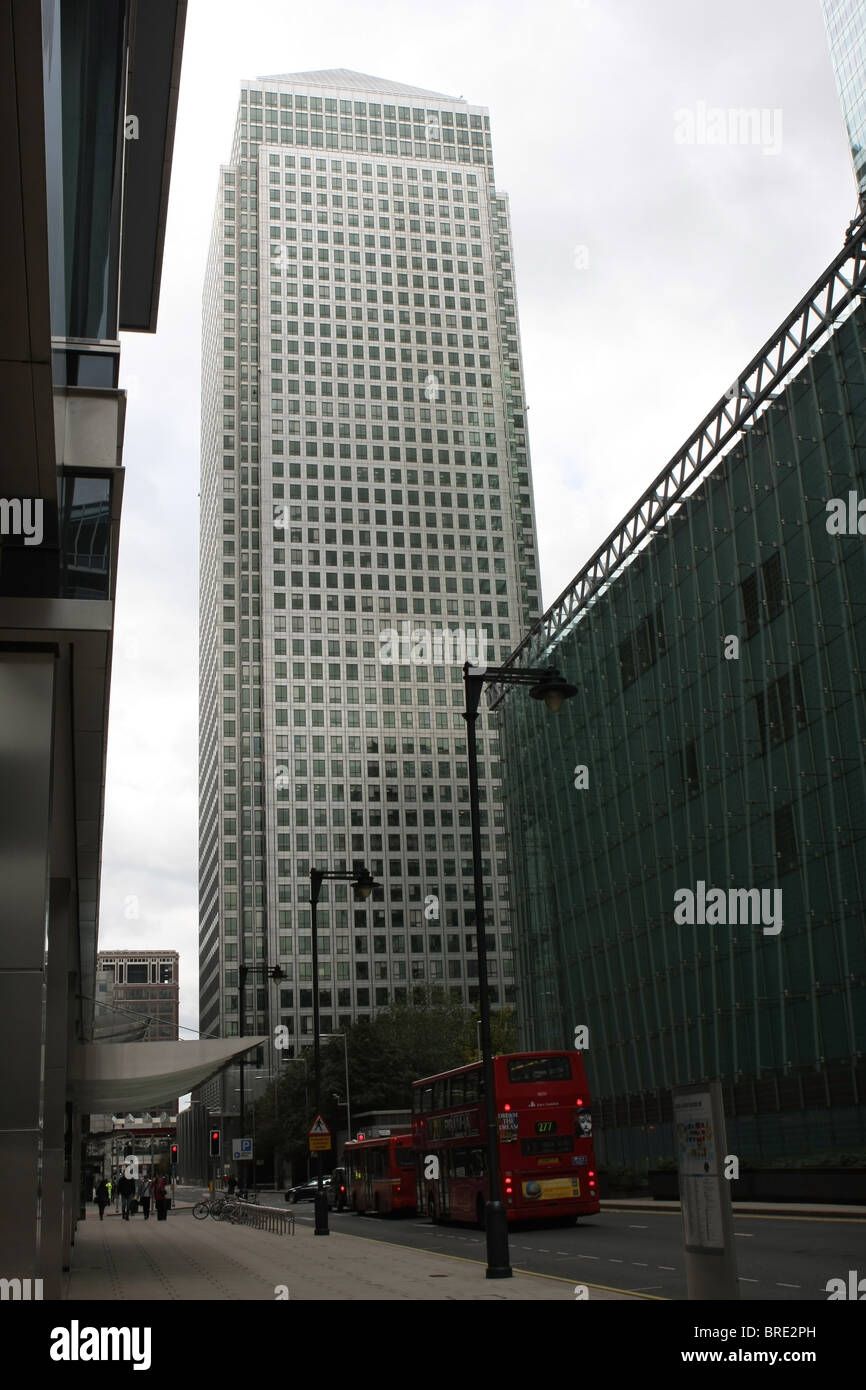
(533, 1069)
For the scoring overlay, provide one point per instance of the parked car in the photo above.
(338, 1189)
(306, 1191)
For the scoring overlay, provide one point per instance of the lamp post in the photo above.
(364, 885)
(273, 973)
(547, 685)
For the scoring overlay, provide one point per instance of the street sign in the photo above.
(319, 1135)
(242, 1148)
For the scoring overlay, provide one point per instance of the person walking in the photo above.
(159, 1197)
(126, 1187)
(108, 1187)
(145, 1189)
(232, 1184)
(116, 1188)
(103, 1197)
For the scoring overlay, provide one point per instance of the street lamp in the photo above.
(273, 973)
(364, 885)
(549, 686)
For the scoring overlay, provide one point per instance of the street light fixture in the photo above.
(547, 685)
(364, 885)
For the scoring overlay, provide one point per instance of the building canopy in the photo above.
(107, 1077)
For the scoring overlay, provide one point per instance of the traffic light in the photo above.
(174, 1153)
(214, 1143)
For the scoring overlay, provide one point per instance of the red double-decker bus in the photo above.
(381, 1174)
(544, 1122)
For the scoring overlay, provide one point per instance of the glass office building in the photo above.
(846, 30)
(366, 525)
(685, 838)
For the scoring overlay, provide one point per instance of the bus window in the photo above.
(440, 1095)
(472, 1086)
(458, 1090)
(533, 1069)
(427, 1099)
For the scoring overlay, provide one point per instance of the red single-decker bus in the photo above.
(381, 1174)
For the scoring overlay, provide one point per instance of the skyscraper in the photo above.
(366, 524)
(846, 30)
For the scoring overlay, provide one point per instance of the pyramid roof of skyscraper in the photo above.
(347, 80)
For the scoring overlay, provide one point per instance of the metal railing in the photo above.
(265, 1219)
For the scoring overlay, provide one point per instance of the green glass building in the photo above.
(718, 643)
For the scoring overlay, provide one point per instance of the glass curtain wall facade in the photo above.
(719, 723)
(845, 21)
(367, 525)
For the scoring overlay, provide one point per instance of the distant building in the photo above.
(144, 986)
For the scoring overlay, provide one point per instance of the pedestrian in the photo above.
(103, 1197)
(159, 1197)
(232, 1185)
(108, 1187)
(126, 1187)
(145, 1188)
(117, 1180)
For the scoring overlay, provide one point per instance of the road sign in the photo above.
(320, 1135)
(242, 1148)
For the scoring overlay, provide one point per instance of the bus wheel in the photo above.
(431, 1210)
(480, 1207)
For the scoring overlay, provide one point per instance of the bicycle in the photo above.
(209, 1206)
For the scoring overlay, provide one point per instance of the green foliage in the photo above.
(386, 1054)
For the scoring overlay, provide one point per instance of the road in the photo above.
(640, 1251)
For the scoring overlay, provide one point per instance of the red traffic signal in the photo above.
(174, 1153)
(214, 1143)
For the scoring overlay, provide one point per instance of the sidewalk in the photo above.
(181, 1258)
(780, 1209)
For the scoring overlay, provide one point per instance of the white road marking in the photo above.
(748, 1235)
(589, 1257)
(744, 1280)
(789, 1286)
(666, 1267)
(615, 1262)
(636, 1228)
(640, 1263)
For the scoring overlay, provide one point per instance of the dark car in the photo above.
(338, 1190)
(306, 1191)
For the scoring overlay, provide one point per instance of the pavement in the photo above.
(185, 1259)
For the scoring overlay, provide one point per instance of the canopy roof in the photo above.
(106, 1077)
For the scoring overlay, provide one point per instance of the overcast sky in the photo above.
(649, 271)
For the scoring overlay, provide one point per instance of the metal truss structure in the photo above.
(833, 296)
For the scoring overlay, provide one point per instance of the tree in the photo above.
(386, 1054)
